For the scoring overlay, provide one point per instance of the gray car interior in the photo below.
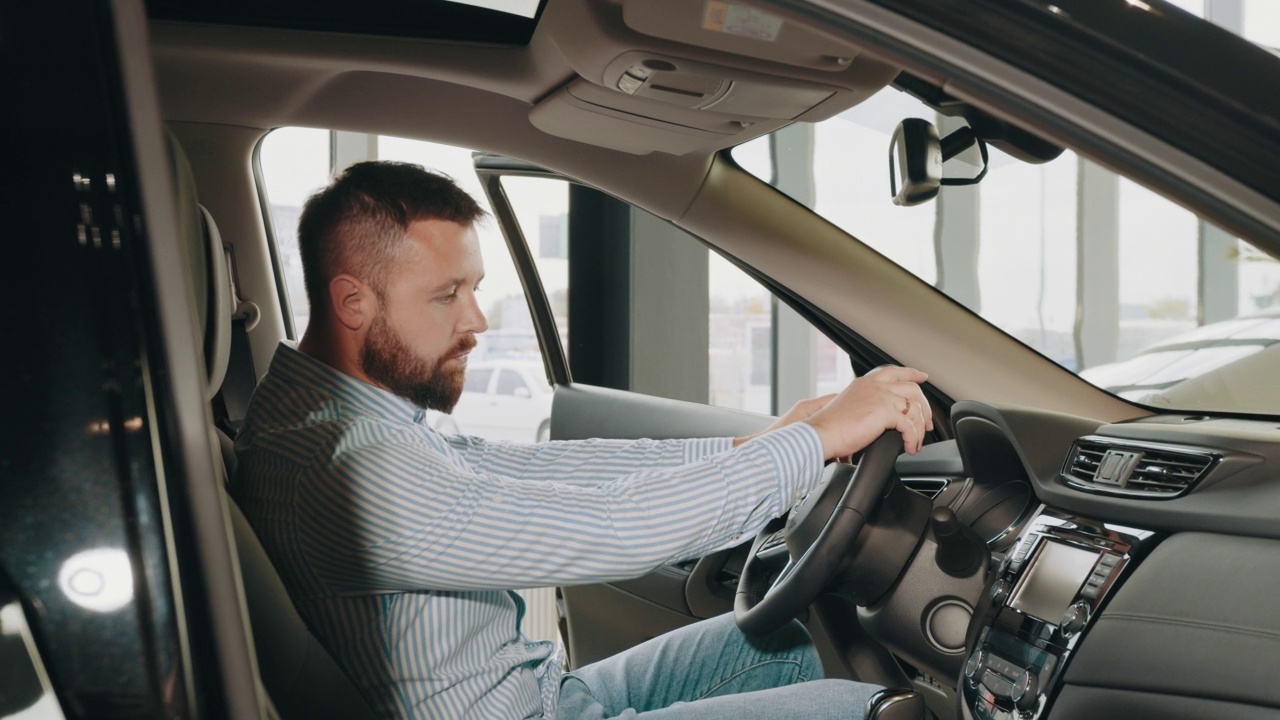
(1184, 626)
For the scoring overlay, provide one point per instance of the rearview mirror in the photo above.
(916, 157)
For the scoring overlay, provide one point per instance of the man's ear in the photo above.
(353, 302)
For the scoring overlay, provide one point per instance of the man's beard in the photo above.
(386, 359)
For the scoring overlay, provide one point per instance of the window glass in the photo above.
(509, 383)
(1159, 269)
(1026, 281)
(1261, 22)
(1259, 276)
(1101, 275)
(739, 352)
(740, 326)
(1198, 362)
(295, 164)
(845, 194)
(857, 200)
(541, 206)
(477, 380)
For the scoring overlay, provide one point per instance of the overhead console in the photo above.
(679, 77)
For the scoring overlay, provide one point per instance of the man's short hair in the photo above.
(359, 222)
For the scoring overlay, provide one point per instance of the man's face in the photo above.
(428, 318)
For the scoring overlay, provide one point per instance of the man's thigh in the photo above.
(814, 700)
(706, 660)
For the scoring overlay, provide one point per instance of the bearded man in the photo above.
(400, 546)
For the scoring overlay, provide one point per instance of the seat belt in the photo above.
(232, 401)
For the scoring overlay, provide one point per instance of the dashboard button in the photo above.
(629, 84)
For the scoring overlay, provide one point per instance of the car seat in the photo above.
(301, 679)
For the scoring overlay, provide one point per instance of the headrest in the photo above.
(192, 236)
(222, 305)
(207, 262)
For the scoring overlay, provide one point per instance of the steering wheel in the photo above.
(761, 606)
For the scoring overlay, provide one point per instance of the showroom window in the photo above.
(1093, 270)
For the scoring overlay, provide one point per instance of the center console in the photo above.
(1049, 587)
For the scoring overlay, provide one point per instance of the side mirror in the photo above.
(916, 157)
(521, 392)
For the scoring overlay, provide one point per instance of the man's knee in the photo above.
(793, 640)
(848, 696)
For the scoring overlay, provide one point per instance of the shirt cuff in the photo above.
(796, 454)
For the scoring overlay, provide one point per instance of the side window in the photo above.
(477, 380)
(295, 164)
(510, 383)
(743, 339)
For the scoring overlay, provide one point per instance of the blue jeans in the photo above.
(711, 670)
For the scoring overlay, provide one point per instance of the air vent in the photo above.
(1134, 469)
(928, 487)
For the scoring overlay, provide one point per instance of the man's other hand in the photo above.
(887, 398)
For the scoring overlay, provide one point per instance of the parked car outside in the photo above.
(503, 400)
(1217, 349)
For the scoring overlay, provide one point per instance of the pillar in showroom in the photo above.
(792, 350)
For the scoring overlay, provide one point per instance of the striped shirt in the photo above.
(400, 546)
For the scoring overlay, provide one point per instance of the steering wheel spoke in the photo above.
(819, 533)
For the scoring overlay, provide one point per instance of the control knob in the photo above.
(976, 666)
(1074, 619)
(1000, 591)
(1026, 690)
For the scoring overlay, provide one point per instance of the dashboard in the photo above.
(1136, 565)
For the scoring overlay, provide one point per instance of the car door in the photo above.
(678, 594)
(118, 592)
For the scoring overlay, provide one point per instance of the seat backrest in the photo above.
(301, 678)
(299, 674)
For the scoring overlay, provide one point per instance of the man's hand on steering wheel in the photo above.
(868, 415)
(887, 398)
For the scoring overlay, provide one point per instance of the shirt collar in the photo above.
(295, 367)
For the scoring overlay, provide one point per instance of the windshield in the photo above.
(1106, 278)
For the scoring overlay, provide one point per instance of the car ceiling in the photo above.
(553, 102)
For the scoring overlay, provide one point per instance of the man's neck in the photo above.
(331, 351)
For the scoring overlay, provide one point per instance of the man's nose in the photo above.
(475, 321)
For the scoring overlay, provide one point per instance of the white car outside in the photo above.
(1194, 365)
(502, 400)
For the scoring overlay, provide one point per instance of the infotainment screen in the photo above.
(1051, 582)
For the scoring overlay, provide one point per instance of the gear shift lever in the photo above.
(960, 550)
(897, 704)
